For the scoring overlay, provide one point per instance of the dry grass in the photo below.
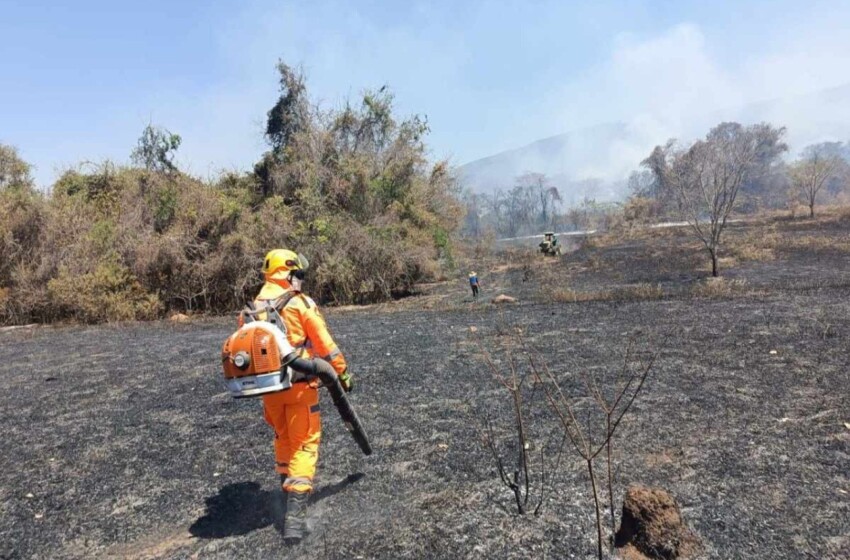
(757, 244)
(635, 292)
(819, 243)
(718, 288)
(618, 236)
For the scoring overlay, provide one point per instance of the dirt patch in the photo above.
(153, 546)
(652, 525)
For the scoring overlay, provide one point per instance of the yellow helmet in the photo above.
(280, 262)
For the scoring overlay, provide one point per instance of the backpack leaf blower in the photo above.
(258, 359)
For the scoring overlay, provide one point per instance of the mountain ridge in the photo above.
(595, 161)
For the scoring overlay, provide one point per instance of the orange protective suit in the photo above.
(294, 413)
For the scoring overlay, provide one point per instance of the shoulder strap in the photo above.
(272, 308)
(248, 313)
(280, 303)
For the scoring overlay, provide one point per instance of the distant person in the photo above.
(473, 283)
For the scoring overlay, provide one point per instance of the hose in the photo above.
(318, 368)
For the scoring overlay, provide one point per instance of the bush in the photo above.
(22, 215)
(351, 189)
(639, 211)
(109, 292)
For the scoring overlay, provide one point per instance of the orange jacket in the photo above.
(306, 329)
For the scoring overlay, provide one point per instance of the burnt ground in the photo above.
(119, 441)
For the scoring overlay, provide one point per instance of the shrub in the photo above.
(351, 189)
(109, 292)
(21, 217)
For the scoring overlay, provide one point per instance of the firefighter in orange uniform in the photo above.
(294, 413)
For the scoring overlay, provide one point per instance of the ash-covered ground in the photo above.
(120, 442)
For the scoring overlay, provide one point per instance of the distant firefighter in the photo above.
(473, 283)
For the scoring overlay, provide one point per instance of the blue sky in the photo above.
(80, 80)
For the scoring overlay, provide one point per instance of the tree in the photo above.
(642, 183)
(819, 163)
(707, 177)
(291, 114)
(472, 202)
(767, 188)
(495, 206)
(14, 171)
(156, 149)
(656, 185)
(542, 197)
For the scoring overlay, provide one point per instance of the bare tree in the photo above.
(543, 198)
(473, 204)
(555, 195)
(517, 472)
(642, 183)
(707, 177)
(818, 164)
(602, 409)
(565, 407)
(532, 204)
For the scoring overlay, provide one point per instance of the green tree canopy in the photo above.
(14, 171)
(156, 149)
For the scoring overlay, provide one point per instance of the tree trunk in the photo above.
(713, 253)
(596, 507)
(812, 210)
(610, 476)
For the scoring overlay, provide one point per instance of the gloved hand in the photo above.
(347, 381)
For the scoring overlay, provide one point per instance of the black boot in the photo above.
(295, 522)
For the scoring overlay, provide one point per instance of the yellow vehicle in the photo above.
(550, 246)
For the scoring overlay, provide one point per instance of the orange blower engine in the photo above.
(255, 359)
(258, 359)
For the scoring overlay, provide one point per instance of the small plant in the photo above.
(608, 405)
(519, 471)
(613, 408)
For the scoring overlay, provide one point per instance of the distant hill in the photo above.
(596, 161)
(572, 160)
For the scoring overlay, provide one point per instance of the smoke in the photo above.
(673, 85)
(678, 84)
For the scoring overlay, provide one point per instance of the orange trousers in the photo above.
(294, 416)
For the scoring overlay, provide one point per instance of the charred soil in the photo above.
(119, 440)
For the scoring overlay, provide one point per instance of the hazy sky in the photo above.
(80, 80)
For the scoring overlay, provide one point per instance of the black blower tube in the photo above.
(317, 367)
